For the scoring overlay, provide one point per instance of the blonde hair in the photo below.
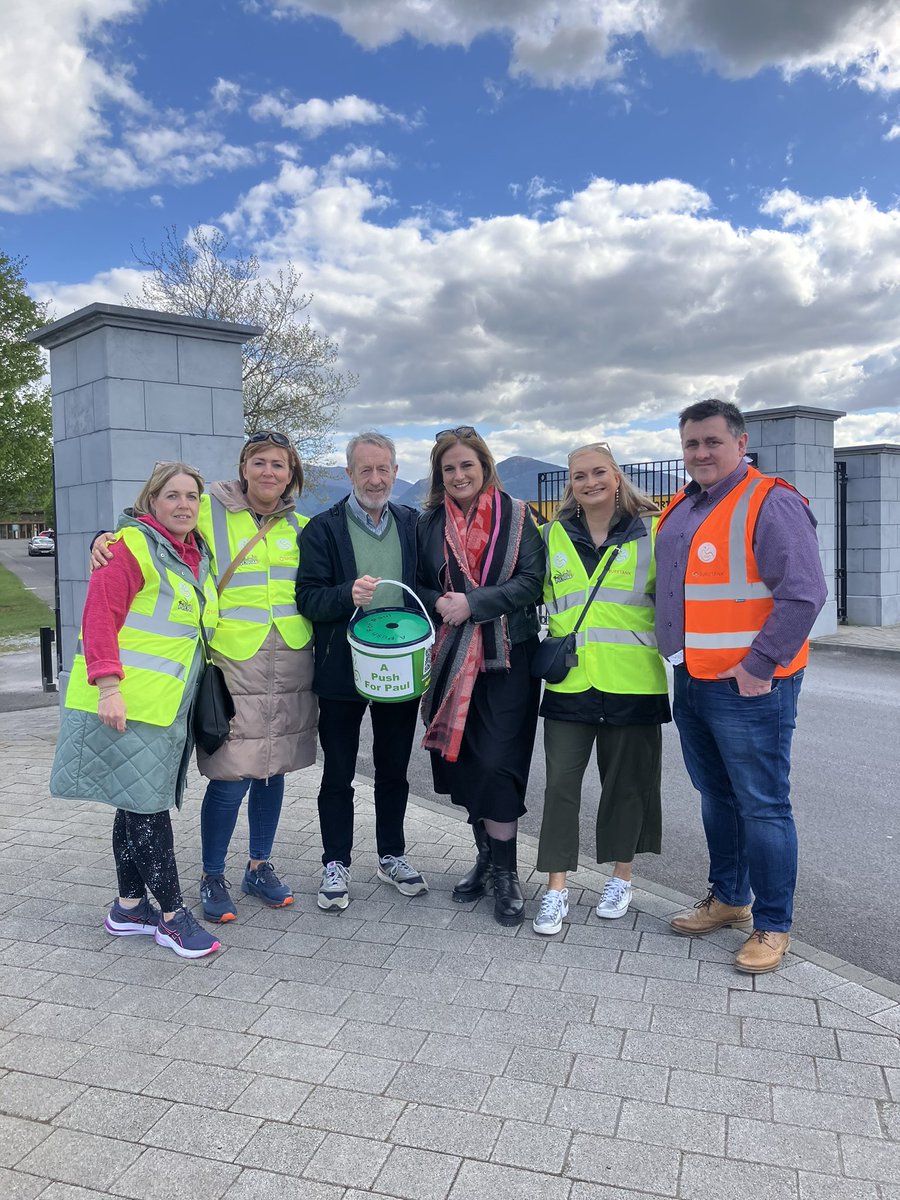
(631, 499)
(160, 476)
(474, 442)
(295, 487)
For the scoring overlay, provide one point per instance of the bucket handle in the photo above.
(397, 583)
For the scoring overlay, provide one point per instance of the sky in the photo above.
(556, 220)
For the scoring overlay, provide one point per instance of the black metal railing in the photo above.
(840, 540)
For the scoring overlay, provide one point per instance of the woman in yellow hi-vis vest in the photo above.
(615, 696)
(264, 647)
(125, 737)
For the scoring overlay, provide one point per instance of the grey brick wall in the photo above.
(873, 533)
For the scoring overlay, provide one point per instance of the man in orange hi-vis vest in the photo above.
(739, 585)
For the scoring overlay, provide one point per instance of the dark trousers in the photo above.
(629, 808)
(393, 730)
(144, 850)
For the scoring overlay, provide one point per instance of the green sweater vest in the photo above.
(380, 557)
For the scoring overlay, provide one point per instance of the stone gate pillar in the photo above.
(132, 387)
(797, 443)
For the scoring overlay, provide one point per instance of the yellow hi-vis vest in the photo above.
(616, 643)
(159, 638)
(263, 588)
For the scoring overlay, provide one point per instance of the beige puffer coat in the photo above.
(274, 729)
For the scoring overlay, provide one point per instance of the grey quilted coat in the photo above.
(142, 770)
(274, 728)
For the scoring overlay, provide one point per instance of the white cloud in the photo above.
(559, 42)
(313, 117)
(106, 287)
(75, 122)
(622, 305)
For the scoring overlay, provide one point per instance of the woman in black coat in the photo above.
(481, 569)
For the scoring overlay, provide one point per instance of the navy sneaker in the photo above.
(185, 935)
(126, 922)
(264, 883)
(217, 904)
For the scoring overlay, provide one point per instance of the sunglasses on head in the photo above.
(459, 431)
(269, 435)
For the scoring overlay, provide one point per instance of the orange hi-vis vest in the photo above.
(726, 603)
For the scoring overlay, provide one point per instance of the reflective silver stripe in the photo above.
(720, 641)
(739, 586)
(159, 625)
(284, 610)
(615, 637)
(220, 535)
(235, 612)
(291, 519)
(726, 591)
(287, 573)
(248, 579)
(152, 662)
(633, 599)
(572, 600)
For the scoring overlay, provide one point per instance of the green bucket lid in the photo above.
(390, 627)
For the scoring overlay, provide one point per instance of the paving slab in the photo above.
(411, 1048)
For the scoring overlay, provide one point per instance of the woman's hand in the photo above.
(111, 710)
(100, 554)
(453, 607)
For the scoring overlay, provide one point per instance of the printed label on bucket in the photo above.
(383, 679)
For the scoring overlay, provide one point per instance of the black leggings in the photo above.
(144, 850)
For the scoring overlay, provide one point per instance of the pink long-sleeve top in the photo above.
(110, 594)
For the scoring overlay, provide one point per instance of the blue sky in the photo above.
(556, 220)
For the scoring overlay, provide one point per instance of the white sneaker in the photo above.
(614, 899)
(554, 906)
(334, 888)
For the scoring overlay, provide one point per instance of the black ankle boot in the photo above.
(509, 903)
(477, 882)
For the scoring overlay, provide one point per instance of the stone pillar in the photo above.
(873, 533)
(797, 444)
(130, 388)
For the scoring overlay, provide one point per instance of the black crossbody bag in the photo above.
(555, 656)
(213, 704)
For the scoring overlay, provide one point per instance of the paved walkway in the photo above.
(411, 1048)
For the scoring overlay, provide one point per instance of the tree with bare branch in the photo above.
(290, 378)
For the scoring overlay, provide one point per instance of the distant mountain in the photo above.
(519, 476)
(327, 485)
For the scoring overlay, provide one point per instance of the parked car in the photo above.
(41, 543)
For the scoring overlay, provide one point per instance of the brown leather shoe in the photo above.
(763, 951)
(710, 914)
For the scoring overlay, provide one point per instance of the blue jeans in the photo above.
(218, 817)
(737, 750)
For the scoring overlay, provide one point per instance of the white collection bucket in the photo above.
(391, 650)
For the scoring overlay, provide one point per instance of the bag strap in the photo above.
(244, 551)
(617, 546)
(590, 600)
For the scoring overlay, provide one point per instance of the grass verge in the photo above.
(22, 613)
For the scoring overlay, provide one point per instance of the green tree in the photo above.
(26, 434)
(290, 379)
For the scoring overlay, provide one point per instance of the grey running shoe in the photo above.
(554, 907)
(125, 922)
(334, 888)
(396, 869)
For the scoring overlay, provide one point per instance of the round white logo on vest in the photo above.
(707, 552)
(185, 589)
(622, 556)
(284, 544)
(560, 560)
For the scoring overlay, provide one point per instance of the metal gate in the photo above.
(661, 480)
(840, 540)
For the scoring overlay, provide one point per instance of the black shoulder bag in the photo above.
(213, 705)
(555, 656)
